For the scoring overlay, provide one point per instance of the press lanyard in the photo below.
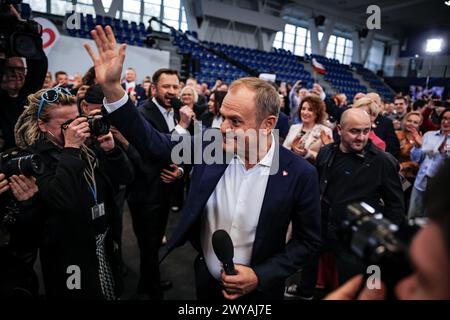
(89, 175)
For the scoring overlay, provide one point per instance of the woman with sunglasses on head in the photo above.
(78, 251)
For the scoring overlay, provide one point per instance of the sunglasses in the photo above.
(52, 95)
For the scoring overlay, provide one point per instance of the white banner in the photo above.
(50, 34)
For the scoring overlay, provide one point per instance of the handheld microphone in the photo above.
(176, 104)
(224, 250)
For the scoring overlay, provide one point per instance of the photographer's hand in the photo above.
(15, 13)
(117, 135)
(4, 186)
(76, 133)
(349, 290)
(23, 188)
(106, 142)
(108, 62)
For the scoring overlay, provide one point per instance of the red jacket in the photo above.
(427, 124)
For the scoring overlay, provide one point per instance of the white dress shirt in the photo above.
(129, 85)
(235, 206)
(217, 122)
(167, 114)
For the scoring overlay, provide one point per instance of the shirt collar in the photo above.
(438, 133)
(266, 161)
(163, 110)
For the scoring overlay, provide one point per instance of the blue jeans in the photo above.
(416, 204)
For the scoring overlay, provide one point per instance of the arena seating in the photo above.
(130, 33)
(280, 62)
(374, 81)
(339, 76)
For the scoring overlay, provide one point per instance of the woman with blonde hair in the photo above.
(408, 136)
(306, 138)
(373, 111)
(75, 196)
(189, 97)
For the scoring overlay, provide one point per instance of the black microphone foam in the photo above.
(176, 104)
(224, 250)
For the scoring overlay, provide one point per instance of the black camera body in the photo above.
(98, 125)
(377, 241)
(16, 162)
(18, 38)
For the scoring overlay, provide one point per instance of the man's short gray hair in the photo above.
(267, 99)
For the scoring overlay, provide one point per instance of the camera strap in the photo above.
(98, 209)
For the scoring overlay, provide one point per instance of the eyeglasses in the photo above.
(52, 95)
(12, 70)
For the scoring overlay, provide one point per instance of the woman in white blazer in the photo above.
(306, 138)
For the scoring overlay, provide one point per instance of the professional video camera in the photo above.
(18, 38)
(15, 162)
(377, 241)
(98, 125)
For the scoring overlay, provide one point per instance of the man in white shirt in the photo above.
(134, 90)
(150, 195)
(254, 197)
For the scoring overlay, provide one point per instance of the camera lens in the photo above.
(30, 165)
(98, 126)
(25, 45)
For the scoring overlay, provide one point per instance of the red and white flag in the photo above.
(318, 67)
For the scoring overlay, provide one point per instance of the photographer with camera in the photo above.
(19, 235)
(428, 254)
(18, 81)
(76, 195)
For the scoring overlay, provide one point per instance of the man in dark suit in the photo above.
(255, 196)
(134, 90)
(384, 128)
(149, 195)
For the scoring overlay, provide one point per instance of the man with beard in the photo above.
(149, 197)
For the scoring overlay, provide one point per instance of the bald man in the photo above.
(355, 170)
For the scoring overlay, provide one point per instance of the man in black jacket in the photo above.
(353, 171)
(149, 197)
(16, 84)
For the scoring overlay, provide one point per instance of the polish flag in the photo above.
(318, 67)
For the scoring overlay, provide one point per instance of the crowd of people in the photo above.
(103, 139)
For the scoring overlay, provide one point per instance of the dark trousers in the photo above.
(149, 225)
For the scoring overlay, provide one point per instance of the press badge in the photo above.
(98, 210)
